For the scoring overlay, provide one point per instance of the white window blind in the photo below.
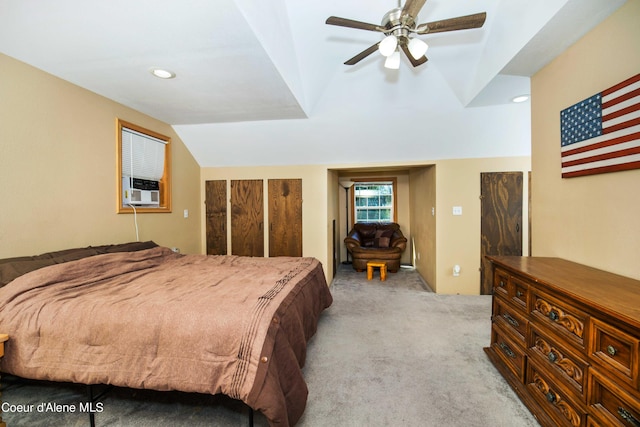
(142, 155)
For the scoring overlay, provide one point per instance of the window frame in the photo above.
(394, 185)
(165, 182)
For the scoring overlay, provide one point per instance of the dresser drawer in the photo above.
(610, 404)
(616, 350)
(501, 282)
(511, 288)
(510, 319)
(566, 365)
(554, 399)
(511, 353)
(520, 293)
(562, 318)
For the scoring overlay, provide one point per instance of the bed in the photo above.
(138, 315)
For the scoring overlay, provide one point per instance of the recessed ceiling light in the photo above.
(520, 98)
(163, 74)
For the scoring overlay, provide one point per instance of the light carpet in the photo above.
(386, 354)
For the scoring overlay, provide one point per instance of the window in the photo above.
(374, 200)
(144, 165)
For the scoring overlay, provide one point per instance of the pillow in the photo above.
(19, 258)
(368, 242)
(383, 238)
(72, 254)
(128, 247)
(15, 269)
(12, 268)
(365, 230)
(68, 255)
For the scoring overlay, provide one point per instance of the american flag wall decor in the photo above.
(602, 133)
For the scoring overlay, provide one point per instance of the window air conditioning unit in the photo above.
(140, 192)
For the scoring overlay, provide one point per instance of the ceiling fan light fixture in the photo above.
(388, 45)
(393, 61)
(417, 48)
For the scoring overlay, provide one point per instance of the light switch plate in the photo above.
(457, 210)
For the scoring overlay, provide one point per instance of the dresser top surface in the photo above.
(609, 292)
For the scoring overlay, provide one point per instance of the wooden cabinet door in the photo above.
(501, 221)
(285, 217)
(216, 217)
(247, 218)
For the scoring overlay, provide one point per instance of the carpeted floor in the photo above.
(386, 354)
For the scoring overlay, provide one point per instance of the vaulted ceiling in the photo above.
(249, 68)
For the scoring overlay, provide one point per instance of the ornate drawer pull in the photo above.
(507, 350)
(511, 320)
(551, 397)
(552, 357)
(611, 350)
(502, 284)
(626, 415)
(553, 315)
(519, 293)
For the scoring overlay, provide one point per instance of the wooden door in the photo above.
(247, 218)
(285, 217)
(501, 221)
(216, 216)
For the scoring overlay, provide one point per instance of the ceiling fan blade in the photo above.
(359, 57)
(460, 23)
(350, 23)
(414, 62)
(413, 7)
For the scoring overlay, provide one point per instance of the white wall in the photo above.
(339, 131)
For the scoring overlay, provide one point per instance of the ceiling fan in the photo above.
(397, 26)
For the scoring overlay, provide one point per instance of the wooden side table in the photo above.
(3, 338)
(375, 264)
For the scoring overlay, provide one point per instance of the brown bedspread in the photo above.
(158, 320)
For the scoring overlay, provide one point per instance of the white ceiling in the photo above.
(249, 68)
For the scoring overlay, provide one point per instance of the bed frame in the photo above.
(282, 306)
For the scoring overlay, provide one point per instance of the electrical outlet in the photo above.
(457, 210)
(186, 213)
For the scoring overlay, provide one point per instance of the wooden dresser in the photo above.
(566, 337)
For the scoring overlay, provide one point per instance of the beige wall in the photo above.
(58, 170)
(458, 237)
(593, 220)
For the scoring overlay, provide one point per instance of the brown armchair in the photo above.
(376, 242)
